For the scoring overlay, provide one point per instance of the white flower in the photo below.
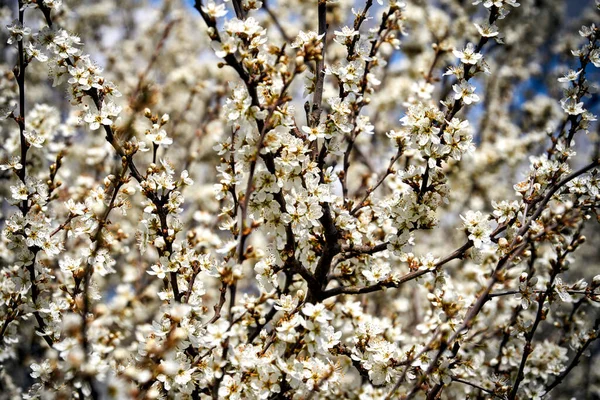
(487, 30)
(159, 136)
(595, 57)
(571, 106)
(468, 55)
(317, 312)
(377, 273)
(19, 191)
(497, 3)
(230, 388)
(17, 31)
(95, 119)
(570, 76)
(158, 270)
(33, 138)
(102, 262)
(305, 38)
(12, 163)
(345, 36)
(80, 75)
(42, 370)
(561, 289)
(184, 376)
(214, 10)
(465, 91)
(64, 44)
(505, 211)
(34, 52)
(286, 330)
(423, 89)
(216, 333)
(53, 4)
(478, 227)
(286, 303)
(318, 132)
(8, 111)
(185, 178)
(69, 265)
(227, 45)
(75, 208)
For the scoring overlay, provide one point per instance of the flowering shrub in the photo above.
(299, 199)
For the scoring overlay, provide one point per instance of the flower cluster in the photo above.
(256, 200)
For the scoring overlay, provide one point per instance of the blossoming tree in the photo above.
(299, 199)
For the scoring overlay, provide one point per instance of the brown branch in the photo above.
(22, 173)
(424, 350)
(127, 154)
(219, 305)
(540, 315)
(458, 104)
(87, 277)
(276, 21)
(471, 314)
(476, 386)
(575, 359)
(551, 193)
(239, 9)
(161, 42)
(390, 170)
(509, 292)
(507, 259)
(263, 127)
(260, 325)
(515, 314)
(375, 44)
(332, 246)
(351, 252)
(315, 114)
(360, 18)
(394, 283)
